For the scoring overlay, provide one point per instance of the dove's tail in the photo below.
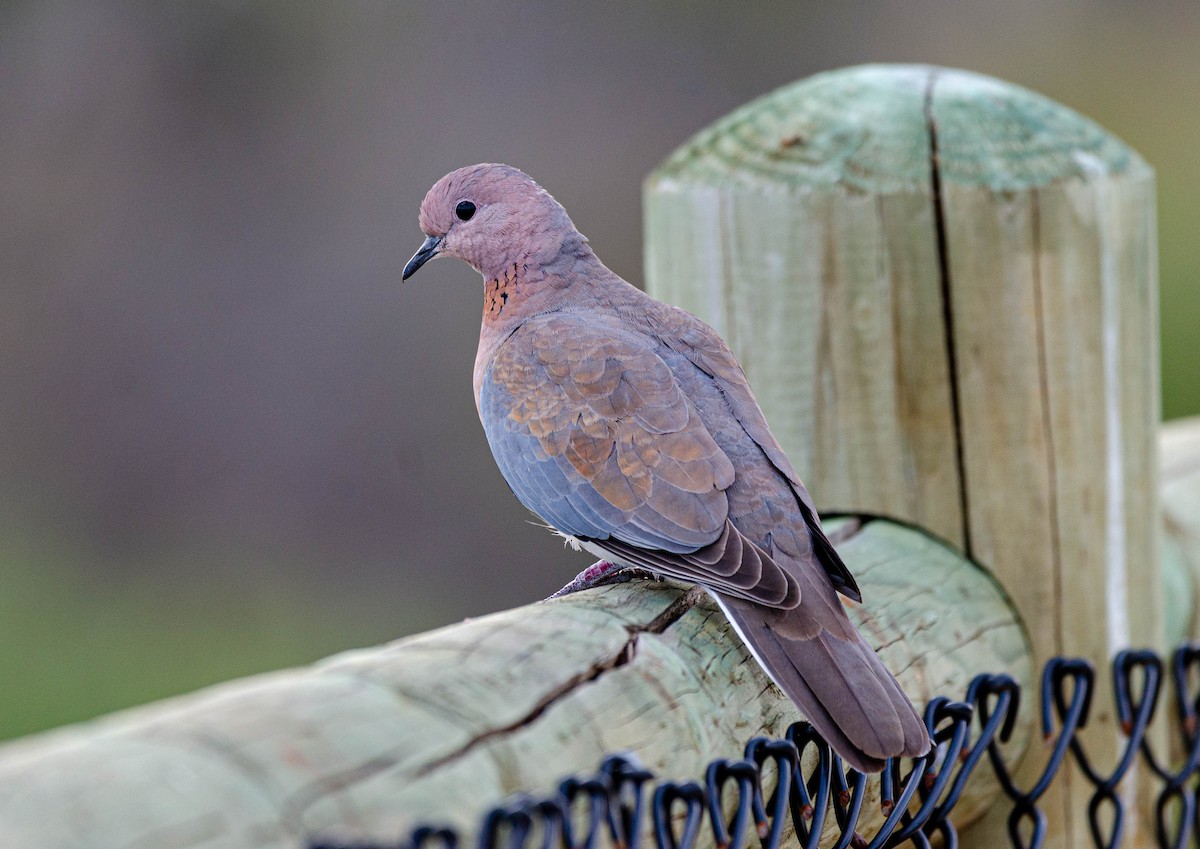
(838, 682)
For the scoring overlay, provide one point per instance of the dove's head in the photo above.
(493, 217)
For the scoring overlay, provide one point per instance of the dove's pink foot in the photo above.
(596, 571)
(599, 574)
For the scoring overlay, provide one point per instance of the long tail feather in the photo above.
(838, 682)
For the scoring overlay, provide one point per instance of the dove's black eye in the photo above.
(464, 210)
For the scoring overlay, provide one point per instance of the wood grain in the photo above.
(438, 727)
(943, 288)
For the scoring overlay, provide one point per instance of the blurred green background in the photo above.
(232, 440)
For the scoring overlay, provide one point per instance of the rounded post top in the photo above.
(876, 128)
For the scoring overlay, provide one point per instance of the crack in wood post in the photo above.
(628, 650)
(943, 256)
(672, 613)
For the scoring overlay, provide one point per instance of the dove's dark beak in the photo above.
(427, 252)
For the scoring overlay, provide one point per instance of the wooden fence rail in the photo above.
(438, 727)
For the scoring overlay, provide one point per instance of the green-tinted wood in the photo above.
(1180, 471)
(802, 137)
(961, 274)
(438, 727)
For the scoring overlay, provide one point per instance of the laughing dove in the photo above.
(628, 426)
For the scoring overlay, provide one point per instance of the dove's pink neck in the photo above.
(532, 285)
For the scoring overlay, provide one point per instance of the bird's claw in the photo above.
(601, 574)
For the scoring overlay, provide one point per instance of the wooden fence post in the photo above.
(943, 288)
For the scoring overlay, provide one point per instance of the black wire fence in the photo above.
(622, 805)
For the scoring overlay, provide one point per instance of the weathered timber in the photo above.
(438, 727)
(1180, 473)
(943, 288)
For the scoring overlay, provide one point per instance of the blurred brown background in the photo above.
(231, 439)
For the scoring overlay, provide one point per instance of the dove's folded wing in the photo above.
(592, 432)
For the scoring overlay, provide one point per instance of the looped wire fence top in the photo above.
(741, 802)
